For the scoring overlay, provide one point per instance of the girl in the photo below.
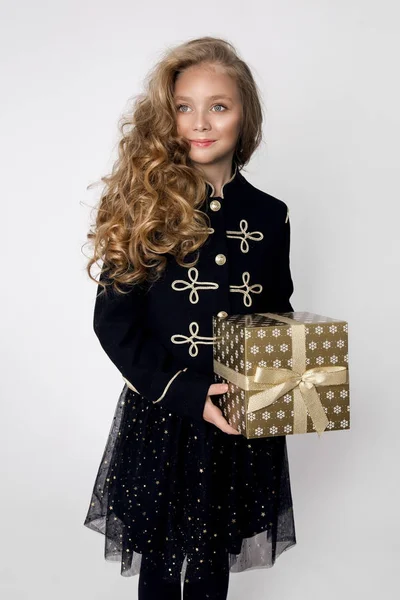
(181, 496)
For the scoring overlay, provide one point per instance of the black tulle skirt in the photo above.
(168, 486)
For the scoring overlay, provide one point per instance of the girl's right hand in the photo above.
(213, 414)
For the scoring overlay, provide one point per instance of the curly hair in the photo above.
(150, 206)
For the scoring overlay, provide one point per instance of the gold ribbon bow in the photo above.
(273, 383)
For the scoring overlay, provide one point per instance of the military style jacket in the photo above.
(161, 338)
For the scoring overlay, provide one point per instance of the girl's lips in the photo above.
(201, 144)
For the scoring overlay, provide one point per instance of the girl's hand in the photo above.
(213, 414)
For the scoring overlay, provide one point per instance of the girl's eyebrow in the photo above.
(209, 97)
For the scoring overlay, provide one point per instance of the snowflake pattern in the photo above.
(238, 341)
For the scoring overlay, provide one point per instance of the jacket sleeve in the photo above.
(283, 283)
(145, 364)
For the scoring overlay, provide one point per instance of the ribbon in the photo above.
(273, 383)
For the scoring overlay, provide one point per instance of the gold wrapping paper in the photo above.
(271, 384)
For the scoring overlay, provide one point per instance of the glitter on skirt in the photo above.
(167, 484)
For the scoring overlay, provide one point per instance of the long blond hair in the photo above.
(151, 202)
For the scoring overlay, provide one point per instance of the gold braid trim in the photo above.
(130, 386)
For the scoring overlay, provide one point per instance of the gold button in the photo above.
(222, 314)
(215, 205)
(220, 259)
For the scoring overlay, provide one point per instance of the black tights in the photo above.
(151, 586)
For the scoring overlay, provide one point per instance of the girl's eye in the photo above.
(220, 105)
(185, 105)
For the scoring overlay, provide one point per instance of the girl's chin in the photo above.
(206, 153)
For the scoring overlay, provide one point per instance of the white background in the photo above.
(328, 73)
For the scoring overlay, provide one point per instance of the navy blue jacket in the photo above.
(160, 336)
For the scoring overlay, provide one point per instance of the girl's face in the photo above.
(208, 107)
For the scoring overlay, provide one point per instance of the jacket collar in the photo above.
(230, 184)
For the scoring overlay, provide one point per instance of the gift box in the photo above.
(287, 373)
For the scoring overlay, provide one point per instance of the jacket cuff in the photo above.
(186, 394)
